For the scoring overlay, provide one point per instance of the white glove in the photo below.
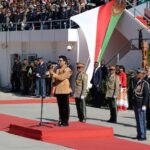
(82, 97)
(143, 108)
(38, 75)
(114, 96)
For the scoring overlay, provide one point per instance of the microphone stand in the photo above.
(41, 116)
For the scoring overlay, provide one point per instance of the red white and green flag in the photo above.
(98, 25)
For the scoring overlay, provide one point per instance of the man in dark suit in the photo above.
(140, 99)
(96, 84)
(104, 72)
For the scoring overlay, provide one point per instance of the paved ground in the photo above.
(125, 128)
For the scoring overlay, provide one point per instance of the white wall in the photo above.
(47, 44)
(129, 60)
(140, 9)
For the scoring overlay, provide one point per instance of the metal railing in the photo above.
(148, 5)
(128, 43)
(38, 25)
(137, 12)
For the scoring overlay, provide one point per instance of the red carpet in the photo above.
(81, 136)
(31, 101)
(50, 131)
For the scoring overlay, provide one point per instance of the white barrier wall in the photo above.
(47, 44)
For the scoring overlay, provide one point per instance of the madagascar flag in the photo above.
(98, 25)
(108, 17)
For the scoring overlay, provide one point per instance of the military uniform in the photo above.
(112, 89)
(140, 99)
(148, 105)
(80, 93)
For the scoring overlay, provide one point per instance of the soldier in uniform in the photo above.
(80, 92)
(112, 89)
(139, 103)
(147, 78)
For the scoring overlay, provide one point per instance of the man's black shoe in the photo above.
(112, 121)
(142, 139)
(64, 125)
(82, 120)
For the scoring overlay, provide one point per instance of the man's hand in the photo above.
(38, 75)
(114, 96)
(143, 108)
(82, 97)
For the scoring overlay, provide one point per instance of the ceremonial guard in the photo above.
(147, 77)
(112, 90)
(140, 99)
(80, 92)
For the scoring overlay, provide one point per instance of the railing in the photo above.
(135, 12)
(38, 25)
(130, 43)
(148, 5)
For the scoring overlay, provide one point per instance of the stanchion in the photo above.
(41, 116)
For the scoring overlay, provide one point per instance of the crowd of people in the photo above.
(109, 85)
(38, 14)
(44, 14)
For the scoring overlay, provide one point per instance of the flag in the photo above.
(98, 25)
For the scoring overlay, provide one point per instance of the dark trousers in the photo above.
(95, 96)
(148, 115)
(140, 117)
(113, 109)
(40, 87)
(25, 85)
(81, 108)
(15, 82)
(48, 86)
(63, 107)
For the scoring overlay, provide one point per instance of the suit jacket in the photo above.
(97, 77)
(80, 84)
(104, 72)
(62, 83)
(41, 69)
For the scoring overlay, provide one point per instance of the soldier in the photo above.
(147, 78)
(112, 89)
(16, 72)
(80, 92)
(25, 81)
(139, 103)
